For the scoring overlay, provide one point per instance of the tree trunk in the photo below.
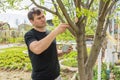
(81, 66)
(89, 74)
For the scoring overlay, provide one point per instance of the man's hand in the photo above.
(61, 52)
(61, 28)
(67, 48)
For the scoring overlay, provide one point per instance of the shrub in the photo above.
(14, 59)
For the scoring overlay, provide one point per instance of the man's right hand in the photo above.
(61, 28)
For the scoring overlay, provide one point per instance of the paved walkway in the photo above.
(6, 45)
(9, 45)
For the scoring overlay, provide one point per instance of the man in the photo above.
(42, 47)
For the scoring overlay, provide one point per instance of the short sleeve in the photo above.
(29, 37)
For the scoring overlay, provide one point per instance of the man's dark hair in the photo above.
(33, 11)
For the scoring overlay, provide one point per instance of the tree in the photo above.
(77, 16)
(83, 9)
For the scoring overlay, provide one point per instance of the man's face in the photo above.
(39, 20)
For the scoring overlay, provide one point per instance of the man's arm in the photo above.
(39, 46)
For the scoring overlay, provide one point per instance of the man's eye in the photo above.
(39, 18)
(42, 16)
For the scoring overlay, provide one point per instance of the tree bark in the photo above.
(80, 57)
(82, 51)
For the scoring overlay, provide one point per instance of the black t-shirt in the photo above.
(45, 66)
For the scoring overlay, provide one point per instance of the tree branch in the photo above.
(78, 4)
(75, 2)
(104, 9)
(105, 26)
(62, 20)
(87, 3)
(110, 7)
(73, 26)
(99, 37)
(101, 6)
(90, 3)
(57, 12)
(60, 17)
(42, 7)
(26, 7)
(80, 20)
(55, 5)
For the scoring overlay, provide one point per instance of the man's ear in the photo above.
(32, 21)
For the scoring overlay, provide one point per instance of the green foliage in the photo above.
(42, 2)
(91, 18)
(90, 26)
(106, 74)
(72, 62)
(105, 0)
(70, 7)
(11, 2)
(16, 40)
(118, 7)
(88, 50)
(56, 21)
(67, 36)
(73, 54)
(90, 30)
(116, 72)
(103, 73)
(72, 58)
(91, 21)
(85, 12)
(12, 40)
(14, 59)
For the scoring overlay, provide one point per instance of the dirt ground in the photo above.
(14, 75)
(22, 75)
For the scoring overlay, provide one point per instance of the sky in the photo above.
(15, 17)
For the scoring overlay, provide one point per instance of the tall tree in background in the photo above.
(78, 13)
